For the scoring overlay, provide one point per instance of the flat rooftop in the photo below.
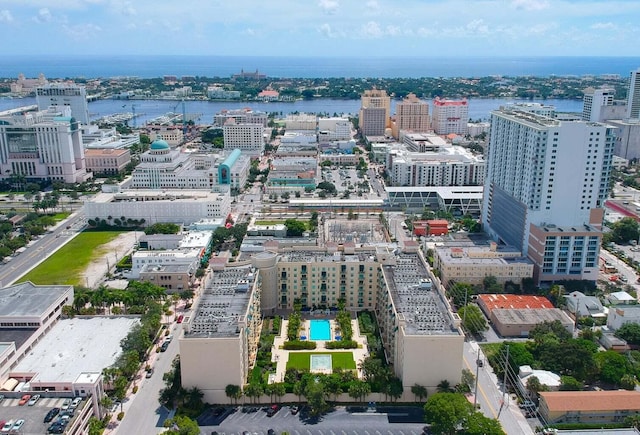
(156, 195)
(528, 316)
(75, 346)
(223, 304)
(27, 299)
(493, 301)
(415, 299)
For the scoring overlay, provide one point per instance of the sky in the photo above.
(309, 28)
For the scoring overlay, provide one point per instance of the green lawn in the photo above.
(61, 216)
(67, 264)
(302, 360)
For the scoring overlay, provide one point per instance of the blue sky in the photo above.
(322, 27)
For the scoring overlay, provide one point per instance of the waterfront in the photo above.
(479, 108)
(146, 66)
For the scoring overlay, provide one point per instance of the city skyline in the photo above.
(322, 28)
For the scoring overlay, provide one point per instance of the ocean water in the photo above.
(306, 67)
(479, 108)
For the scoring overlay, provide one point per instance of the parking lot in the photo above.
(341, 420)
(32, 415)
(343, 178)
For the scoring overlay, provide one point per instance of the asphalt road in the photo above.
(41, 249)
(143, 413)
(493, 403)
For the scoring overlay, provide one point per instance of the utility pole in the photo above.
(504, 382)
(475, 396)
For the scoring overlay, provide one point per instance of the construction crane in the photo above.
(133, 110)
(184, 117)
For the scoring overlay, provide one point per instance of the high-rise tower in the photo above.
(545, 186)
(633, 96)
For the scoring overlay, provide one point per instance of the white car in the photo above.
(66, 404)
(17, 425)
(34, 399)
(7, 426)
(76, 401)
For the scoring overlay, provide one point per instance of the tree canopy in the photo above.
(448, 412)
(624, 230)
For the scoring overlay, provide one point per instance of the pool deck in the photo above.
(281, 356)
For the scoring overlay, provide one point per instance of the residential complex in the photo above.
(593, 102)
(633, 96)
(412, 115)
(450, 116)
(43, 145)
(240, 116)
(442, 165)
(332, 129)
(545, 186)
(375, 110)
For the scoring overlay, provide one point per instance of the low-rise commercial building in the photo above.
(489, 302)
(107, 161)
(472, 265)
(622, 314)
(588, 406)
(174, 278)
(153, 206)
(510, 322)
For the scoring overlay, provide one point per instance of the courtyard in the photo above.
(321, 360)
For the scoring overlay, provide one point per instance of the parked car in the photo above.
(164, 346)
(1, 397)
(17, 425)
(294, 410)
(149, 373)
(66, 404)
(75, 402)
(55, 428)
(34, 399)
(6, 427)
(24, 399)
(51, 414)
(180, 318)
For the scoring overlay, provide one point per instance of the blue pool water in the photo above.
(320, 330)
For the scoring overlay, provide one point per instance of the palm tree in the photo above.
(233, 392)
(419, 392)
(298, 390)
(444, 387)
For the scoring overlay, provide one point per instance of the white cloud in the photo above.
(604, 26)
(329, 6)
(530, 5)
(326, 30)
(123, 8)
(44, 16)
(477, 26)
(373, 7)
(82, 31)
(5, 16)
(371, 30)
(249, 31)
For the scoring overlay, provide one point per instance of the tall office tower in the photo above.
(64, 94)
(633, 96)
(450, 116)
(412, 114)
(376, 99)
(593, 101)
(545, 186)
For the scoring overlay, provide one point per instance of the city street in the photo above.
(489, 395)
(41, 249)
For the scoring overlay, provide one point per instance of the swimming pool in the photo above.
(320, 330)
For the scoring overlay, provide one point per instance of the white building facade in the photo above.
(450, 116)
(248, 138)
(593, 101)
(545, 187)
(64, 94)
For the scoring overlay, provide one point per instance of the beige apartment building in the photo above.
(412, 114)
(107, 161)
(220, 341)
(472, 264)
(421, 335)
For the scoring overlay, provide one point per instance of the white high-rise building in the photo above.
(633, 96)
(64, 94)
(248, 138)
(44, 145)
(450, 116)
(545, 186)
(593, 101)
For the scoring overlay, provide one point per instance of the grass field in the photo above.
(67, 264)
(302, 360)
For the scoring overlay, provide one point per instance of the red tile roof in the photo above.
(491, 301)
(561, 401)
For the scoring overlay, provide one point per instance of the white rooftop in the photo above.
(76, 346)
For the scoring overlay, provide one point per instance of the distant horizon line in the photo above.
(331, 56)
